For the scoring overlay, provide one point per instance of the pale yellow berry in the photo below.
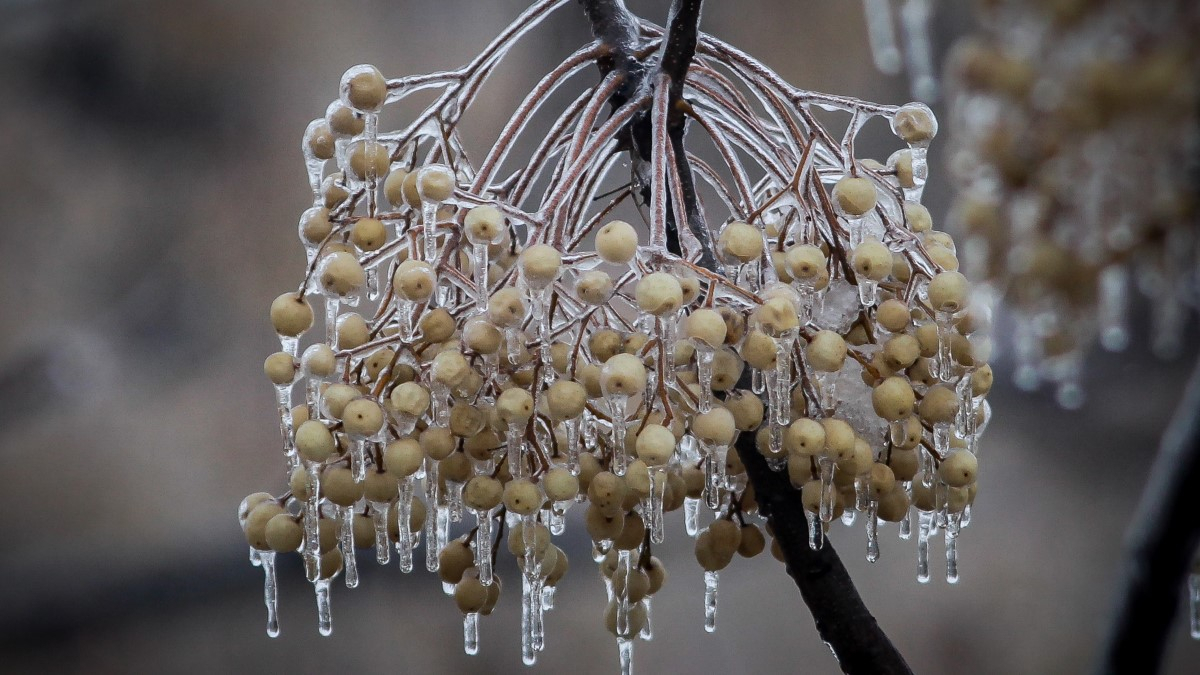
(340, 274)
(435, 183)
(901, 163)
(705, 326)
(948, 292)
(449, 368)
(806, 262)
(727, 369)
(364, 88)
(280, 368)
(741, 242)
(981, 380)
(540, 265)
(826, 351)
(320, 141)
(343, 120)
(566, 399)
(854, 196)
(872, 260)
(480, 335)
(616, 242)
(339, 486)
(483, 493)
(659, 293)
(515, 405)
(256, 523)
(522, 497)
(291, 314)
(607, 491)
(943, 257)
(882, 479)
(893, 315)
(362, 417)
(315, 225)
(901, 351)
(904, 463)
(655, 444)
(380, 486)
(466, 420)
(893, 506)
(368, 160)
(839, 437)
(560, 485)
(959, 468)
(393, 187)
(352, 331)
(594, 287)
(484, 225)
(747, 409)
(893, 399)
(414, 280)
(777, 316)
(314, 442)
(368, 234)
(623, 375)
(915, 124)
(759, 350)
(507, 307)
(283, 533)
(715, 426)
(917, 217)
(939, 405)
(804, 437)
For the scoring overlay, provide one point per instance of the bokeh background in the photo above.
(150, 181)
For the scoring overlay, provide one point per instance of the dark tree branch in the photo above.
(842, 619)
(1160, 544)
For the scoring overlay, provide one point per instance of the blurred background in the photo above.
(150, 184)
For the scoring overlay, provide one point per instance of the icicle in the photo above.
(704, 371)
(441, 530)
(906, 521)
(481, 281)
(691, 516)
(715, 457)
(439, 406)
(648, 628)
(826, 466)
(270, 592)
(431, 515)
(944, 362)
(346, 542)
(757, 381)
(483, 544)
(404, 542)
(617, 404)
(512, 344)
(1113, 308)
(324, 616)
(558, 516)
(1194, 603)
(255, 557)
(807, 295)
(926, 469)
(816, 531)
(454, 499)
(862, 492)
(882, 36)
(941, 438)
(548, 597)
(625, 650)
(826, 390)
(284, 399)
(358, 459)
(312, 512)
(541, 318)
(914, 19)
(314, 165)
(952, 528)
(924, 520)
(405, 309)
(622, 597)
(571, 426)
(528, 651)
(429, 231)
(372, 284)
(653, 505)
(868, 291)
(379, 518)
(710, 600)
(516, 450)
(873, 531)
(471, 633)
(331, 314)
(849, 516)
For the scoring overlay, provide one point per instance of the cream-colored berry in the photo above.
(291, 315)
(414, 280)
(901, 351)
(340, 274)
(893, 399)
(759, 350)
(368, 160)
(560, 485)
(914, 123)
(741, 242)
(659, 293)
(319, 140)
(515, 405)
(540, 265)
(280, 368)
(283, 534)
(806, 262)
(484, 224)
(566, 399)
(655, 445)
(959, 468)
(872, 260)
(839, 436)
(368, 234)
(594, 287)
(256, 523)
(339, 486)
(827, 351)
(705, 326)
(435, 183)
(617, 242)
(522, 497)
(715, 426)
(314, 442)
(747, 409)
(482, 336)
(900, 162)
(393, 187)
(483, 493)
(352, 331)
(948, 292)
(449, 368)
(623, 375)
(315, 225)
(893, 315)
(939, 405)
(362, 417)
(319, 361)
(854, 196)
(343, 120)
(777, 316)
(805, 437)
(507, 307)
(364, 88)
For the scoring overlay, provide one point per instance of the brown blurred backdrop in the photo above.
(150, 180)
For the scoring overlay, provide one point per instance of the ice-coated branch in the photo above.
(1160, 543)
(843, 621)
